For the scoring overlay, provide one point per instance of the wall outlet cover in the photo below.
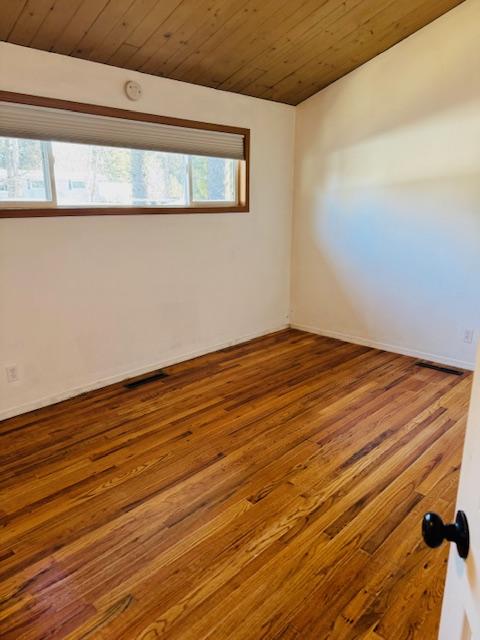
(12, 373)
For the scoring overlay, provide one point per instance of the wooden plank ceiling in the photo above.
(283, 50)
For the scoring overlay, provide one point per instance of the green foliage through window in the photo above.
(88, 175)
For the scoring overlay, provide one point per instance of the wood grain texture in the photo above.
(271, 490)
(275, 49)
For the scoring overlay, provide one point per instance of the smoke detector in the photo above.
(133, 90)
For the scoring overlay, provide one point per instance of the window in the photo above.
(24, 175)
(57, 161)
(94, 176)
(213, 179)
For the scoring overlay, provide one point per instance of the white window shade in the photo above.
(45, 123)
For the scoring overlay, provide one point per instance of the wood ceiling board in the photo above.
(54, 24)
(203, 61)
(317, 42)
(28, 22)
(282, 50)
(151, 22)
(11, 10)
(100, 29)
(81, 22)
(121, 56)
(266, 52)
(233, 41)
(145, 36)
(281, 56)
(171, 35)
(361, 45)
(215, 17)
(122, 30)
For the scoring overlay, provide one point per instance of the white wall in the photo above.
(386, 247)
(85, 301)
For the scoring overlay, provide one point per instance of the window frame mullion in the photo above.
(49, 168)
(189, 185)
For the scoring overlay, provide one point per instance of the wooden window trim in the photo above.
(53, 212)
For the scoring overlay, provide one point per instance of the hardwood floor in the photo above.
(271, 490)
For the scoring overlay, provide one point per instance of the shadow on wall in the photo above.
(387, 228)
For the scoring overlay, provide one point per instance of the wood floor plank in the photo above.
(270, 490)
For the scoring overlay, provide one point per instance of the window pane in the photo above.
(93, 175)
(213, 179)
(22, 171)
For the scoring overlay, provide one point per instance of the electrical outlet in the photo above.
(468, 337)
(12, 373)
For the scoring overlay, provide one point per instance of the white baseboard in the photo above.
(130, 373)
(414, 353)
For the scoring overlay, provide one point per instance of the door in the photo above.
(461, 603)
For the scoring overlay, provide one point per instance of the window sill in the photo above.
(59, 212)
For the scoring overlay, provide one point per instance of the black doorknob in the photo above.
(435, 532)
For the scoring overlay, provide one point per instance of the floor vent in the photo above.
(139, 382)
(438, 367)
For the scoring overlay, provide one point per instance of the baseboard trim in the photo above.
(130, 373)
(384, 346)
